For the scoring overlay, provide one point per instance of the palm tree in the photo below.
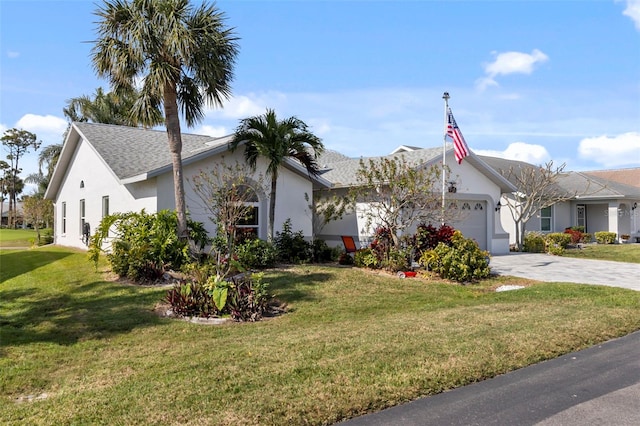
(265, 136)
(183, 56)
(106, 108)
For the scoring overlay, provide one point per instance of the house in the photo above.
(105, 169)
(473, 189)
(604, 200)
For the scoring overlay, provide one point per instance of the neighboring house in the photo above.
(4, 219)
(105, 169)
(598, 201)
(476, 190)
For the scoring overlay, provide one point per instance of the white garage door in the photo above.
(473, 220)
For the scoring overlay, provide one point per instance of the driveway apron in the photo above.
(544, 267)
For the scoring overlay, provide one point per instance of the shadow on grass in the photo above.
(15, 263)
(292, 287)
(95, 310)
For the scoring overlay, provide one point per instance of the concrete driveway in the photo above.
(544, 267)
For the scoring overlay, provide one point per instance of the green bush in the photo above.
(345, 259)
(144, 246)
(558, 239)
(461, 261)
(291, 247)
(397, 260)
(366, 258)
(322, 252)
(256, 254)
(604, 237)
(244, 297)
(534, 242)
(586, 238)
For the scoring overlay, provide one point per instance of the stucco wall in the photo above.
(88, 168)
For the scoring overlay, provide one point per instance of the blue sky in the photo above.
(529, 80)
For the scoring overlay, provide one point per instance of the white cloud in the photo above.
(520, 151)
(12, 54)
(243, 106)
(213, 131)
(44, 126)
(614, 151)
(633, 12)
(510, 63)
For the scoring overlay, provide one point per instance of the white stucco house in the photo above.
(475, 191)
(605, 200)
(105, 169)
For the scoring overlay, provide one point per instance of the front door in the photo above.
(581, 216)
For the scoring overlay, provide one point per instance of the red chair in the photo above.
(349, 244)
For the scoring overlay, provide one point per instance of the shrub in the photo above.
(366, 258)
(604, 237)
(427, 237)
(191, 300)
(576, 236)
(586, 238)
(244, 297)
(322, 252)
(345, 259)
(461, 261)
(382, 243)
(555, 249)
(291, 247)
(145, 245)
(533, 242)
(256, 254)
(397, 260)
(557, 239)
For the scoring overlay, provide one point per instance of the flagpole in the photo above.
(445, 96)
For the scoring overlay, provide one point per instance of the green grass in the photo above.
(16, 237)
(618, 252)
(352, 342)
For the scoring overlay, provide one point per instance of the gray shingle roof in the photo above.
(343, 172)
(131, 151)
(585, 184)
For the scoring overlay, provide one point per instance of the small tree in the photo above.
(18, 142)
(225, 192)
(399, 194)
(537, 188)
(37, 211)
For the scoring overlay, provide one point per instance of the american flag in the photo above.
(460, 146)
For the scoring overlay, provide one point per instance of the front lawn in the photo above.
(76, 349)
(17, 237)
(618, 252)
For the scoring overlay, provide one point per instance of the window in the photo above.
(105, 206)
(64, 217)
(545, 219)
(249, 225)
(82, 213)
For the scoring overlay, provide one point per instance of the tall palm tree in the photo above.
(184, 57)
(266, 136)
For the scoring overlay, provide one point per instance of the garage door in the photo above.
(472, 220)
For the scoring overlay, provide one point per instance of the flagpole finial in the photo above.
(445, 96)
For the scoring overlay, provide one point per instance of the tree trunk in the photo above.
(172, 120)
(272, 206)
